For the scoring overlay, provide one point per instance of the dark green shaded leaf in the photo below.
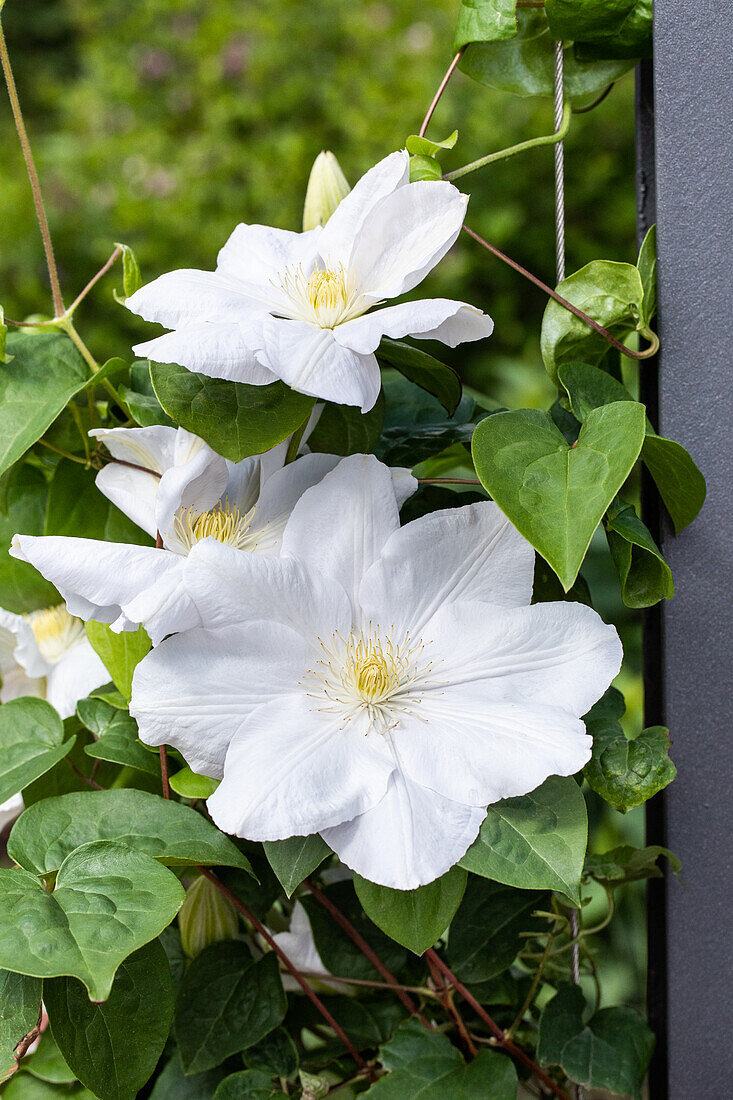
(45, 372)
(22, 588)
(20, 1002)
(485, 21)
(424, 1064)
(414, 918)
(629, 864)
(31, 742)
(338, 953)
(536, 841)
(546, 587)
(647, 265)
(681, 484)
(603, 28)
(612, 1051)
(248, 1084)
(119, 653)
(114, 1047)
(415, 426)
(345, 430)
(276, 1054)
(76, 507)
(174, 1084)
(644, 574)
(484, 936)
(556, 495)
(226, 1003)
(294, 859)
(235, 419)
(116, 734)
(108, 901)
(167, 831)
(424, 370)
(47, 1062)
(140, 397)
(368, 1020)
(430, 498)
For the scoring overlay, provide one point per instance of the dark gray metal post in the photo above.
(686, 141)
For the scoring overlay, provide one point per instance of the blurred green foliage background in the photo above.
(163, 123)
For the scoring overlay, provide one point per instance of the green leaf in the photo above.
(625, 772)
(368, 1021)
(46, 371)
(338, 952)
(20, 1001)
(248, 1084)
(131, 277)
(609, 292)
(424, 168)
(114, 1047)
(116, 734)
(590, 387)
(424, 370)
(603, 28)
(554, 494)
(424, 1064)
(119, 653)
(191, 785)
(25, 1087)
(345, 430)
(536, 841)
(108, 901)
(3, 338)
(140, 397)
(31, 742)
(647, 265)
(226, 1003)
(76, 507)
(681, 484)
(525, 64)
(235, 419)
(414, 918)
(484, 936)
(485, 21)
(49, 831)
(612, 1051)
(47, 1062)
(422, 146)
(276, 1054)
(294, 859)
(629, 864)
(174, 1084)
(22, 588)
(416, 426)
(644, 574)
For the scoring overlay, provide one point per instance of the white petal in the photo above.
(19, 647)
(468, 553)
(132, 491)
(340, 526)
(410, 838)
(404, 484)
(164, 607)
(344, 225)
(78, 672)
(405, 236)
(293, 769)
(231, 586)
(311, 362)
(219, 350)
(557, 654)
(18, 683)
(153, 447)
(430, 319)
(281, 492)
(257, 254)
(196, 689)
(243, 483)
(196, 484)
(469, 748)
(12, 808)
(181, 297)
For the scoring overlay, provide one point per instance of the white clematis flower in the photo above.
(187, 493)
(296, 306)
(376, 684)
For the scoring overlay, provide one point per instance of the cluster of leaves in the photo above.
(148, 985)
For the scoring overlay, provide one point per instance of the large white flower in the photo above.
(169, 482)
(46, 654)
(295, 305)
(376, 684)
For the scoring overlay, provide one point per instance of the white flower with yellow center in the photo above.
(377, 684)
(172, 484)
(300, 306)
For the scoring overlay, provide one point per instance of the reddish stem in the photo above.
(164, 771)
(260, 928)
(448, 481)
(94, 279)
(89, 780)
(562, 301)
(134, 466)
(357, 938)
(509, 1046)
(441, 88)
(446, 1000)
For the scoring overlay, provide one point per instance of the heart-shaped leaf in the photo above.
(116, 734)
(415, 918)
(108, 901)
(485, 21)
(22, 588)
(484, 936)
(345, 430)
(536, 841)
(49, 831)
(556, 494)
(294, 859)
(31, 742)
(644, 574)
(20, 1001)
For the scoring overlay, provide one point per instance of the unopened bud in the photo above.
(327, 186)
(206, 917)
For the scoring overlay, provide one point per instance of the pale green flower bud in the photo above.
(206, 917)
(327, 186)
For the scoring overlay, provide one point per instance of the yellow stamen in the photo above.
(55, 631)
(223, 523)
(327, 297)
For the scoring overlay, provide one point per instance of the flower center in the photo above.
(55, 631)
(223, 523)
(372, 672)
(326, 298)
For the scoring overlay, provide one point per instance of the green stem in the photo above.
(64, 454)
(67, 325)
(53, 275)
(546, 139)
(511, 1030)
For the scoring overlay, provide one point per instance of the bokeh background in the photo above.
(163, 123)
